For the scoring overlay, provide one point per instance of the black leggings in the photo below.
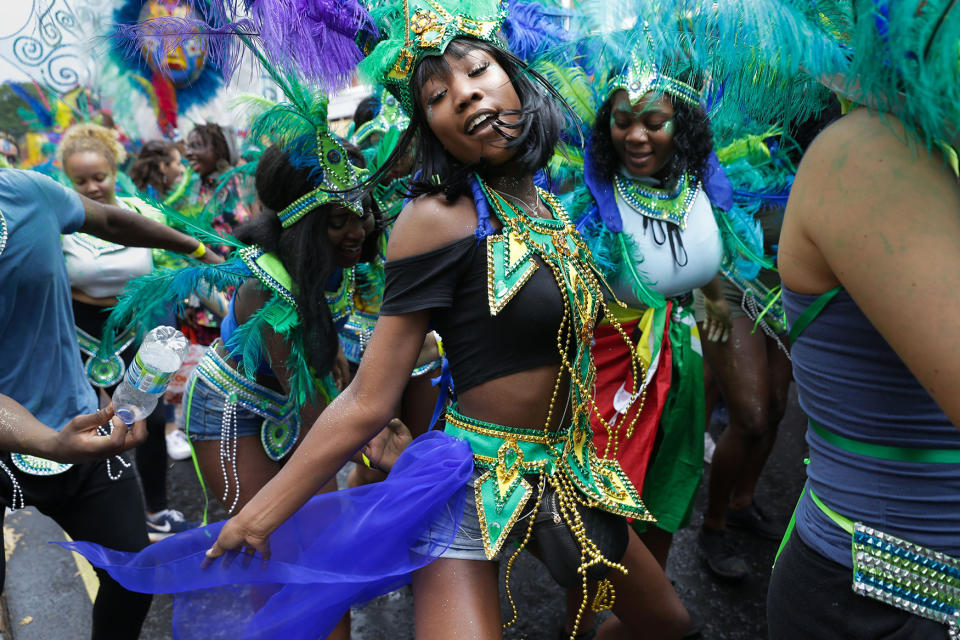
(151, 459)
(89, 506)
(151, 456)
(810, 598)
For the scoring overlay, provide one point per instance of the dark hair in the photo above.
(692, 141)
(302, 247)
(145, 170)
(366, 110)
(541, 119)
(212, 134)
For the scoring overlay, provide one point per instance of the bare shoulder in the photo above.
(864, 187)
(430, 222)
(250, 297)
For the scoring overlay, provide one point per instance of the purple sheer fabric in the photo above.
(339, 549)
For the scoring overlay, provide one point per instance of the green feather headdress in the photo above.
(643, 75)
(415, 29)
(299, 126)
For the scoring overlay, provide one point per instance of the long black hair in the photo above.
(541, 119)
(303, 247)
(692, 141)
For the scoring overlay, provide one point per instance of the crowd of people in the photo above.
(531, 277)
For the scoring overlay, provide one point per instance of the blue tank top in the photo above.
(852, 383)
(227, 326)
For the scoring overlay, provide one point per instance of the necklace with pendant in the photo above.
(659, 204)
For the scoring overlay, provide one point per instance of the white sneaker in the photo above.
(708, 448)
(178, 446)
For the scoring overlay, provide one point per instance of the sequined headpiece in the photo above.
(420, 28)
(642, 75)
(389, 117)
(338, 177)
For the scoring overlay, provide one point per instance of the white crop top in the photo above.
(101, 269)
(701, 241)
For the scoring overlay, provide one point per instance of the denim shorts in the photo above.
(467, 541)
(203, 412)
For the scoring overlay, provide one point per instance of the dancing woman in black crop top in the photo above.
(495, 267)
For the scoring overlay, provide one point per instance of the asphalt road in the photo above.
(731, 612)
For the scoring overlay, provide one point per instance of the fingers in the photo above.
(398, 427)
(211, 554)
(92, 420)
(136, 435)
(247, 552)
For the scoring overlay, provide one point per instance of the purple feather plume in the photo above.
(313, 37)
(159, 36)
(531, 29)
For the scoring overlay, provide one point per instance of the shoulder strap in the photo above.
(270, 271)
(811, 312)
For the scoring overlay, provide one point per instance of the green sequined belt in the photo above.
(281, 419)
(509, 455)
(104, 372)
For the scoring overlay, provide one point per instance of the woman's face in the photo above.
(172, 167)
(92, 176)
(346, 232)
(642, 133)
(462, 108)
(201, 155)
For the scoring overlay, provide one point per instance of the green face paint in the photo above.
(667, 127)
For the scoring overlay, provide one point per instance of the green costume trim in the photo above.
(270, 271)
(568, 456)
(883, 452)
(281, 420)
(659, 204)
(102, 371)
(804, 319)
(643, 75)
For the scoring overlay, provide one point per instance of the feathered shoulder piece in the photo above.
(147, 300)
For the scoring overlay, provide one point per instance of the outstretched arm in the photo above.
(134, 230)
(356, 416)
(78, 441)
(366, 406)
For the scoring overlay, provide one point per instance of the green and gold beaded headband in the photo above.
(339, 178)
(422, 28)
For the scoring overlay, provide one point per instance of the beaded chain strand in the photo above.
(228, 452)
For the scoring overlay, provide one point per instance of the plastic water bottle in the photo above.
(159, 357)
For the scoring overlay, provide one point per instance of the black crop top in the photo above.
(451, 282)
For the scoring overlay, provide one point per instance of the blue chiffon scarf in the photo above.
(339, 549)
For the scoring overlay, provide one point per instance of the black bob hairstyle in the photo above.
(692, 140)
(535, 134)
(301, 247)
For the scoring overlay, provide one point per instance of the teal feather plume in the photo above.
(574, 85)
(193, 225)
(145, 301)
